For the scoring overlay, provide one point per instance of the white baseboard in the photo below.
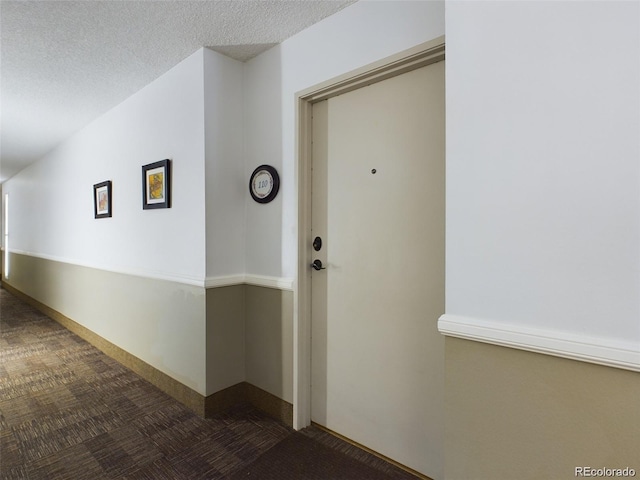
(607, 352)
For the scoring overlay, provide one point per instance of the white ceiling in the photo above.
(64, 63)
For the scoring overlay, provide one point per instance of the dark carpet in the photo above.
(67, 411)
(301, 456)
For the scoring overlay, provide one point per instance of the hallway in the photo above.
(68, 411)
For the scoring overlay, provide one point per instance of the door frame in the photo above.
(419, 56)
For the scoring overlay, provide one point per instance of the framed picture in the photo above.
(102, 199)
(156, 185)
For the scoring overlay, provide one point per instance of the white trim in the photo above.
(607, 352)
(225, 281)
(281, 283)
(136, 272)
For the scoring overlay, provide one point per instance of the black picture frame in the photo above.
(156, 185)
(264, 184)
(102, 200)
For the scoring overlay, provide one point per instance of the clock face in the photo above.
(264, 184)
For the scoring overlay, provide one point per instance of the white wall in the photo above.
(226, 184)
(226, 192)
(543, 206)
(2, 228)
(1, 216)
(358, 35)
(52, 200)
(52, 217)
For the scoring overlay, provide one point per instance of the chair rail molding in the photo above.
(601, 351)
(136, 272)
(281, 283)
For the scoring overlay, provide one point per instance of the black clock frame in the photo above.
(276, 183)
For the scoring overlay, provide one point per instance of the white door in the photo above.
(377, 373)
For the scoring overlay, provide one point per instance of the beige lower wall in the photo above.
(225, 337)
(196, 344)
(160, 322)
(516, 414)
(250, 338)
(177, 390)
(269, 340)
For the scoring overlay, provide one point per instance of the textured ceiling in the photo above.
(64, 63)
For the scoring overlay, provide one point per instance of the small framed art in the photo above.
(102, 199)
(156, 185)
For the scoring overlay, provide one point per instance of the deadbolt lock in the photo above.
(317, 244)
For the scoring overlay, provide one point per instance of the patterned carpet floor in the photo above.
(68, 411)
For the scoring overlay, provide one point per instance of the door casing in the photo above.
(411, 59)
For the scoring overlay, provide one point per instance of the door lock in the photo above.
(317, 244)
(317, 265)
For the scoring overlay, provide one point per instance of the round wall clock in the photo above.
(264, 184)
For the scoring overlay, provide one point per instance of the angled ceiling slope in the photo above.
(64, 63)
